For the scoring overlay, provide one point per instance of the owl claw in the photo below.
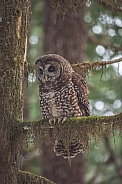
(62, 120)
(54, 121)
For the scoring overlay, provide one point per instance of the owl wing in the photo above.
(81, 90)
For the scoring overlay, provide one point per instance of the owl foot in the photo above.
(52, 121)
(62, 120)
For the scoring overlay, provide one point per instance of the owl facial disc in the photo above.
(48, 70)
(47, 73)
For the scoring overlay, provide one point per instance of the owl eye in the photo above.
(41, 71)
(51, 69)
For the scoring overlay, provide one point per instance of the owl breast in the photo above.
(60, 102)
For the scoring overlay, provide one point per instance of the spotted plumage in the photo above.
(63, 93)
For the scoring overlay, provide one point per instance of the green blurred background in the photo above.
(104, 30)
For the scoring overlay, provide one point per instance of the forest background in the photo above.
(104, 32)
(80, 31)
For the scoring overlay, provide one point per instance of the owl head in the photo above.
(51, 68)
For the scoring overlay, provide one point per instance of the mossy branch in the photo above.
(82, 66)
(85, 128)
(24, 177)
(111, 4)
(94, 65)
(64, 6)
(86, 120)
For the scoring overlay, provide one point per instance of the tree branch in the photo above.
(85, 128)
(93, 65)
(64, 6)
(27, 178)
(84, 120)
(97, 63)
(80, 66)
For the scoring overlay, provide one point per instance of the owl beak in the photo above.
(46, 78)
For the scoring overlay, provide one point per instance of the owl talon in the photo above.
(52, 121)
(62, 120)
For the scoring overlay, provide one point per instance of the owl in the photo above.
(63, 93)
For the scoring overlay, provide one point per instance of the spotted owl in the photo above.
(63, 93)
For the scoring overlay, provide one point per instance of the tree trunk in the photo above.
(67, 38)
(14, 24)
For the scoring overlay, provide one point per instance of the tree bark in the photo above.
(14, 24)
(67, 38)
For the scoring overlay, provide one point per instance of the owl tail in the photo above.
(70, 151)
